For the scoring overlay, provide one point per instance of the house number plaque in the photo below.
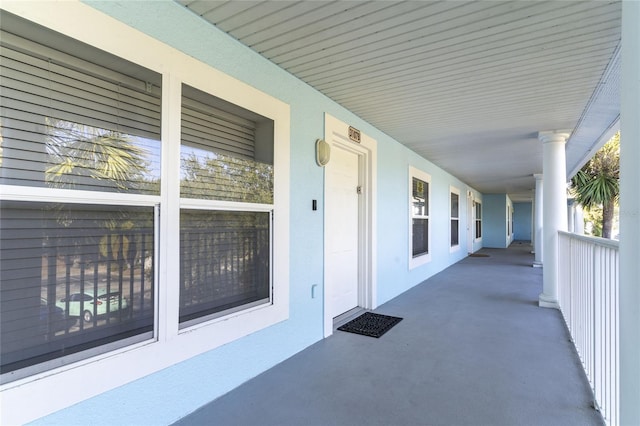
(354, 134)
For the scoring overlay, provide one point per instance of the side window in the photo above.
(478, 220)
(419, 220)
(79, 125)
(454, 203)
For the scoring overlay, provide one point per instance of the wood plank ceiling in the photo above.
(467, 85)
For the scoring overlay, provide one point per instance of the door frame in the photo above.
(336, 133)
(471, 221)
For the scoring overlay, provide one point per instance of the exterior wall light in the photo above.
(323, 152)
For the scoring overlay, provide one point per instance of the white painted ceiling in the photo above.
(467, 85)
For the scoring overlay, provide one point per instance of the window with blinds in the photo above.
(419, 235)
(454, 226)
(226, 151)
(77, 276)
(227, 173)
(70, 123)
(478, 220)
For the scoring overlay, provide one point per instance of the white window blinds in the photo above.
(67, 122)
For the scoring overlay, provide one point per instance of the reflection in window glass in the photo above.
(224, 261)
(420, 197)
(420, 213)
(226, 152)
(63, 127)
(420, 236)
(74, 277)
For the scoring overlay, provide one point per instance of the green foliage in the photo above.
(86, 157)
(597, 184)
(594, 217)
(223, 177)
(82, 155)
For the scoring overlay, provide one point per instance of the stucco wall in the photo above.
(495, 220)
(522, 221)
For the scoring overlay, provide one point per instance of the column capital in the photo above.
(538, 176)
(554, 136)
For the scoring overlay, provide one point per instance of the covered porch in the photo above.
(483, 99)
(473, 348)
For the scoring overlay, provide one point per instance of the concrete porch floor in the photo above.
(473, 349)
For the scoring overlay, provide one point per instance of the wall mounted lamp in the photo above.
(323, 152)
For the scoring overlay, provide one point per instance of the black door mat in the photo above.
(370, 324)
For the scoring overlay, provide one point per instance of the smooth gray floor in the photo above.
(473, 349)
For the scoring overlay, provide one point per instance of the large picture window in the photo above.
(77, 262)
(120, 248)
(419, 217)
(227, 173)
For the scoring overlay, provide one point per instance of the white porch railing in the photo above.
(588, 296)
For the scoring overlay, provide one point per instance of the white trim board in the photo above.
(336, 133)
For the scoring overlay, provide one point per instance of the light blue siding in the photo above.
(522, 221)
(495, 220)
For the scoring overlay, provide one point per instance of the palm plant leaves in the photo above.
(77, 153)
(597, 183)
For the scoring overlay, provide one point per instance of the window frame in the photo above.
(170, 345)
(221, 205)
(453, 190)
(40, 192)
(422, 259)
(477, 219)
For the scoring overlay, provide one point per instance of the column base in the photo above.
(537, 264)
(545, 301)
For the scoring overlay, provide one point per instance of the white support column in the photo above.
(554, 210)
(578, 221)
(532, 228)
(629, 292)
(571, 213)
(537, 222)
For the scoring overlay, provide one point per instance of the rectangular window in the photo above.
(478, 220)
(454, 217)
(227, 174)
(78, 275)
(419, 217)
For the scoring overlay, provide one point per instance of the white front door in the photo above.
(342, 222)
